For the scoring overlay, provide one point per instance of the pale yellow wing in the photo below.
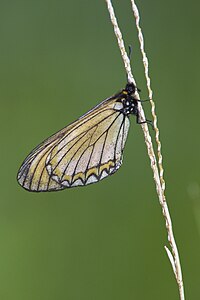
(82, 153)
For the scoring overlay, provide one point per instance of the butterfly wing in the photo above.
(82, 153)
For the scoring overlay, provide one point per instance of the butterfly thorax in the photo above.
(128, 103)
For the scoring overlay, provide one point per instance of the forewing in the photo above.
(84, 152)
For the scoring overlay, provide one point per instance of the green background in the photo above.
(105, 241)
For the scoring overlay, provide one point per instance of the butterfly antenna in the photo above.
(129, 52)
(129, 56)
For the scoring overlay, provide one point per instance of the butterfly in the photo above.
(84, 152)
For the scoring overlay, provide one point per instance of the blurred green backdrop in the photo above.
(105, 241)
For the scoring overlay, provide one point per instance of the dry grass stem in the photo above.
(157, 175)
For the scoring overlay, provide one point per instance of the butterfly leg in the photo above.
(146, 100)
(143, 122)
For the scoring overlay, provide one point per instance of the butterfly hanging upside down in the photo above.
(84, 152)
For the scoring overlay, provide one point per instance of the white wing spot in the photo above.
(118, 106)
(65, 183)
(118, 164)
(91, 179)
(104, 174)
(77, 182)
(49, 169)
(48, 158)
(56, 178)
(112, 170)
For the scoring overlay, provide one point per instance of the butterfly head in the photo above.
(130, 89)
